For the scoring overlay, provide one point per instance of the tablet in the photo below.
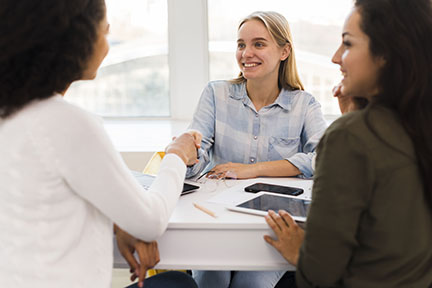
(264, 201)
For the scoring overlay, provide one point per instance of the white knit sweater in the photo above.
(62, 184)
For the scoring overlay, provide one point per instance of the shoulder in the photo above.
(298, 96)
(375, 128)
(297, 100)
(55, 116)
(350, 125)
(225, 88)
(59, 110)
(224, 85)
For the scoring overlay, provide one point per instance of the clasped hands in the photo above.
(148, 254)
(186, 146)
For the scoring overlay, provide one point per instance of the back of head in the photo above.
(278, 28)
(44, 46)
(400, 31)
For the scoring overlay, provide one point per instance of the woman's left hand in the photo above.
(148, 254)
(289, 235)
(233, 170)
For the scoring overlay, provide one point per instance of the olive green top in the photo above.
(369, 224)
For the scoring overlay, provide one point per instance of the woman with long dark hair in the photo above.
(62, 184)
(370, 222)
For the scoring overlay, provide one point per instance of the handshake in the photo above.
(186, 146)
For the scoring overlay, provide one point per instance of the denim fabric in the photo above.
(237, 279)
(170, 279)
(233, 131)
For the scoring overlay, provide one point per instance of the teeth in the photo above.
(250, 65)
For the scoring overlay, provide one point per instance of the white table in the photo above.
(232, 241)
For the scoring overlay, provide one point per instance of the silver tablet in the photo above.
(264, 201)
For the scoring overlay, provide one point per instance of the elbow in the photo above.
(155, 229)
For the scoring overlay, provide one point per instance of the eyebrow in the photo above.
(254, 39)
(346, 34)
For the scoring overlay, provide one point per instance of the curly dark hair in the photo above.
(400, 31)
(44, 46)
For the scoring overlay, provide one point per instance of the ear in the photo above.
(286, 51)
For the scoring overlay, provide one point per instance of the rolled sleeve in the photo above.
(303, 161)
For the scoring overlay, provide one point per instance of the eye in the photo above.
(240, 45)
(259, 44)
(346, 43)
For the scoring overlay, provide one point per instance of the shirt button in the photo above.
(256, 115)
(252, 160)
(255, 137)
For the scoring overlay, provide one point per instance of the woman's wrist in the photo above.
(179, 153)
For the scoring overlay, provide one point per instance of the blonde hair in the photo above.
(278, 28)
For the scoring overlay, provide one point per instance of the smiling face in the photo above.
(360, 70)
(258, 55)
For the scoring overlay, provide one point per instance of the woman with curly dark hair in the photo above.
(370, 221)
(62, 182)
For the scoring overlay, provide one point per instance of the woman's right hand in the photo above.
(185, 146)
(346, 103)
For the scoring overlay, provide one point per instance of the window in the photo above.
(134, 78)
(316, 26)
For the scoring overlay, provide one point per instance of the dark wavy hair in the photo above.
(44, 46)
(400, 31)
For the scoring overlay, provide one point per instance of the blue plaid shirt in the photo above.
(233, 131)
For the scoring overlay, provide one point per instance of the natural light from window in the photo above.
(135, 72)
(316, 26)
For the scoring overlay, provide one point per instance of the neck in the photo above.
(262, 94)
(64, 91)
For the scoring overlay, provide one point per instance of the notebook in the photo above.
(146, 180)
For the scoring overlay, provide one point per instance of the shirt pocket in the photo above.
(281, 148)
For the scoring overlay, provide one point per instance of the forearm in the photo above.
(278, 168)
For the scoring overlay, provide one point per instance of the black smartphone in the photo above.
(189, 188)
(257, 187)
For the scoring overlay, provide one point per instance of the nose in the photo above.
(337, 56)
(247, 52)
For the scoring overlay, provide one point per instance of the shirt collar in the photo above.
(284, 100)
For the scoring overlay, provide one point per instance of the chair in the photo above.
(153, 164)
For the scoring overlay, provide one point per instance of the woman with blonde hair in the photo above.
(276, 124)
(260, 124)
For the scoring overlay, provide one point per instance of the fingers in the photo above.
(290, 222)
(270, 240)
(141, 275)
(124, 243)
(197, 137)
(130, 259)
(222, 171)
(185, 147)
(270, 219)
(156, 252)
(279, 221)
(149, 257)
(337, 90)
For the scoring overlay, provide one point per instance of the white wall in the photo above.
(188, 54)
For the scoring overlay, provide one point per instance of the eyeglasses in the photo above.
(215, 182)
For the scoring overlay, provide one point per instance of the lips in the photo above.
(343, 73)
